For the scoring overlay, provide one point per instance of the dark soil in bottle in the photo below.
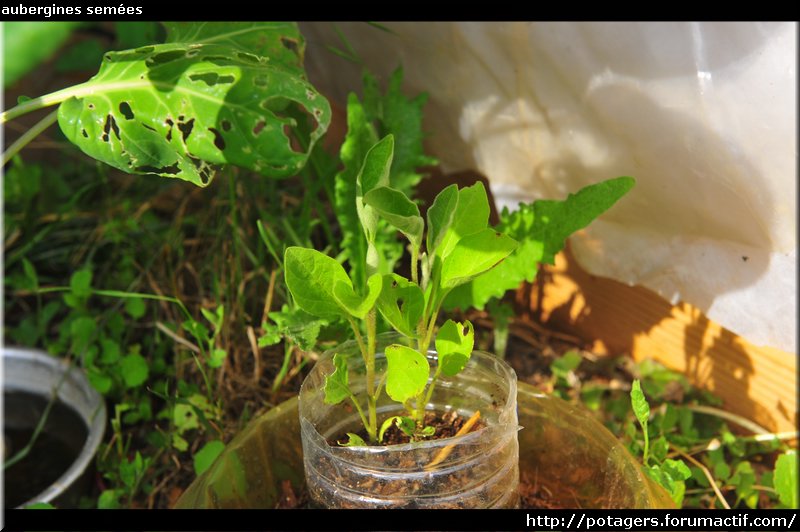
(445, 424)
(56, 447)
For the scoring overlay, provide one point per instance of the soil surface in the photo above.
(445, 425)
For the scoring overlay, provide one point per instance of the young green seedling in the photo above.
(458, 247)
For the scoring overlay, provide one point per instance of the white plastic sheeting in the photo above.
(703, 115)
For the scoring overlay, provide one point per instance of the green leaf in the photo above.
(785, 478)
(311, 277)
(175, 109)
(566, 363)
(109, 500)
(427, 431)
(100, 381)
(185, 417)
(180, 443)
(281, 42)
(196, 329)
(360, 137)
(374, 173)
(454, 344)
(271, 335)
(358, 306)
(353, 440)
(406, 373)
(541, 229)
(395, 207)
(40, 506)
(82, 331)
(135, 307)
(639, 403)
(81, 283)
(671, 476)
(111, 352)
(471, 216)
(297, 326)
(216, 358)
(134, 370)
(440, 216)
(27, 44)
(473, 255)
(205, 457)
(402, 303)
(402, 117)
(659, 449)
(337, 388)
(405, 424)
(30, 275)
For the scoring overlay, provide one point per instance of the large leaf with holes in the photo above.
(281, 42)
(176, 109)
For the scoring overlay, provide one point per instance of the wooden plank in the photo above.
(759, 383)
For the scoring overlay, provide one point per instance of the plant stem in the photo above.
(431, 386)
(29, 135)
(359, 339)
(360, 412)
(372, 396)
(646, 444)
(368, 355)
(36, 431)
(414, 264)
(429, 333)
(46, 101)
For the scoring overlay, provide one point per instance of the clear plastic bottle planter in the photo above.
(562, 446)
(481, 468)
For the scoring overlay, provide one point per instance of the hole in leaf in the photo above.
(205, 170)
(192, 53)
(218, 60)
(151, 128)
(110, 125)
(90, 106)
(259, 127)
(186, 128)
(170, 123)
(212, 78)
(226, 125)
(219, 142)
(173, 169)
(289, 44)
(294, 144)
(261, 81)
(165, 57)
(126, 110)
(84, 133)
(248, 58)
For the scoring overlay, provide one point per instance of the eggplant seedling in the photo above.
(459, 245)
